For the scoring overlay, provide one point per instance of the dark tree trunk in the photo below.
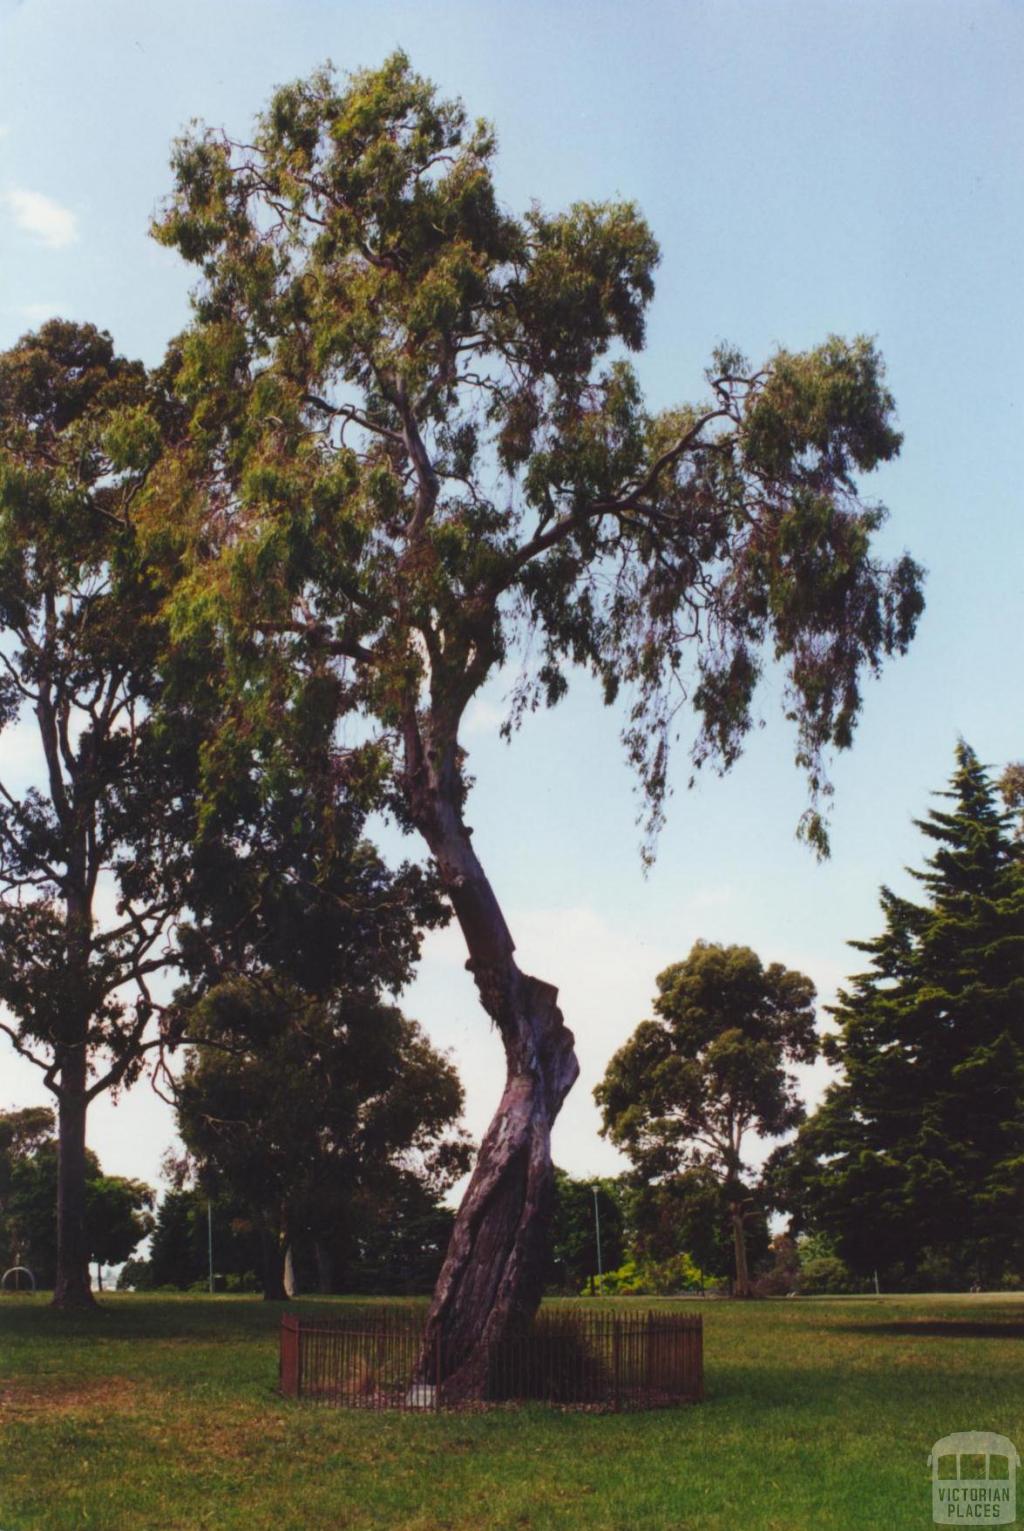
(272, 1260)
(324, 1268)
(739, 1244)
(491, 1281)
(71, 1286)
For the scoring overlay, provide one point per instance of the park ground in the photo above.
(160, 1414)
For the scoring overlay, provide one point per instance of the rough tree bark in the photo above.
(492, 1278)
(71, 1286)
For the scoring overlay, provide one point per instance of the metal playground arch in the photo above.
(17, 1271)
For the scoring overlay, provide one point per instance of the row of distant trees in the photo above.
(320, 1128)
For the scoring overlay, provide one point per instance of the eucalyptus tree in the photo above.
(420, 452)
(79, 639)
(689, 1087)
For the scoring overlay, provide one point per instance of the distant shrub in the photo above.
(220, 1284)
(651, 1278)
(827, 1276)
(135, 1276)
(244, 1281)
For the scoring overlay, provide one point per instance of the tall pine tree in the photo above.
(917, 1156)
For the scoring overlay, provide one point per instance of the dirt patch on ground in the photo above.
(54, 1395)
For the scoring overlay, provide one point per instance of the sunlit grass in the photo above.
(161, 1414)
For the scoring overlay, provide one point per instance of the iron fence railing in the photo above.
(376, 1358)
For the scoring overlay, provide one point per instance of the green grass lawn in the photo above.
(161, 1413)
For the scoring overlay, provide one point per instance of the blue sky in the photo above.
(808, 167)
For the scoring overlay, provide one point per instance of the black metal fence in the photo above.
(375, 1358)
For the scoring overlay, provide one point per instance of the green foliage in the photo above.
(687, 1086)
(682, 1094)
(301, 1111)
(80, 639)
(118, 1218)
(687, 1211)
(647, 1278)
(827, 1276)
(435, 452)
(117, 1211)
(916, 1157)
(574, 1229)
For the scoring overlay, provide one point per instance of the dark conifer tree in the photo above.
(920, 1149)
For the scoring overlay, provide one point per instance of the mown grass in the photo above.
(160, 1414)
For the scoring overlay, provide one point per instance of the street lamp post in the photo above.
(597, 1229)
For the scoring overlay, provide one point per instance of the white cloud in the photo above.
(38, 313)
(483, 717)
(42, 218)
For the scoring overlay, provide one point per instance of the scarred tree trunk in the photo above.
(71, 1287)
(492, 1278)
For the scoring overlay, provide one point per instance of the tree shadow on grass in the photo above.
(941, 1328)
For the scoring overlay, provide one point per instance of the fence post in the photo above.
(437, 1371)
(648, 1345)
(615, 1362)
(288, 1370)
(699, 1391)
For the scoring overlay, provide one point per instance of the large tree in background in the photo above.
(419, 452)
(305, 1092)
(117, 1213)
(78, 644)
(22, 1133)
(304, 1110)
(918, 1152)
(688, 1088)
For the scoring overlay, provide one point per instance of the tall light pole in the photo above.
(597, 1229)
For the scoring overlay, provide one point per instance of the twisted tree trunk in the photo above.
(492, 1278)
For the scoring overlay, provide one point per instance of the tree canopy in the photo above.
(418, 441)
(418, 450)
